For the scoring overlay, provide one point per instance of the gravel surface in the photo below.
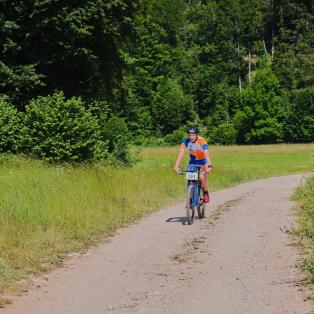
(240, 259)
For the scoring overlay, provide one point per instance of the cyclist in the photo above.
(199, 155)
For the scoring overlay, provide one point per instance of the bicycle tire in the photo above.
(200, 207)
(203, 210)
(190, 213)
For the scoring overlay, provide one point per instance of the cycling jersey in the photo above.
(196, 150)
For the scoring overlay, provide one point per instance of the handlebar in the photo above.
(181, 172)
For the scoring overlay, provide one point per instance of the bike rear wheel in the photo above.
(201, 210)
(201, 207)
(190, 213)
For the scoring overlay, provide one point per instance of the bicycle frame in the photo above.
(196, 189)
(196, 184)
(193, 200)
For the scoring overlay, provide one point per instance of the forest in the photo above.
(82, 80)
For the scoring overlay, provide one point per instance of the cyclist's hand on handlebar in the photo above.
(209, 169)
(177, 170)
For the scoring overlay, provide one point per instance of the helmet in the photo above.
(192, 129)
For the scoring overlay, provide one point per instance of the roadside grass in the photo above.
(48, 211)
(305, 231)
(234, 164)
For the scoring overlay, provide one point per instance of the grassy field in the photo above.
(48, 211)
(305, 196)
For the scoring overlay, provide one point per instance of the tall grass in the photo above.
(234, 164)
(47, 211)
(305, 231)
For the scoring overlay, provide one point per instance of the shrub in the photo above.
(147, 141)
(266, 131)
(13, 135)
(62, 130)
(175, 137)
(116, 133)
(224, 134)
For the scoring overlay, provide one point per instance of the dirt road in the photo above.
(238, 260)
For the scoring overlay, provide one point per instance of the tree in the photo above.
(299, 123)
(73, 46)
(260, 119)
(171, 107)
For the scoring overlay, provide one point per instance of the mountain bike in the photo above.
(194, 199)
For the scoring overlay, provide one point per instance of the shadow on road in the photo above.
(183, 220)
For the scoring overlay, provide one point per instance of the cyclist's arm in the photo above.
(207, 157)
(179, 158)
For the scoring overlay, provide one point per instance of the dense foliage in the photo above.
(242, 70)
(62, 130)
(12, 130)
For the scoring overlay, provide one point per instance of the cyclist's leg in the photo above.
(204, 184)
(203, 178)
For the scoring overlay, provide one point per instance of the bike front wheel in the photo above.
(190, 213)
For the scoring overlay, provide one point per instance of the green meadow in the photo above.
(48, 211)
